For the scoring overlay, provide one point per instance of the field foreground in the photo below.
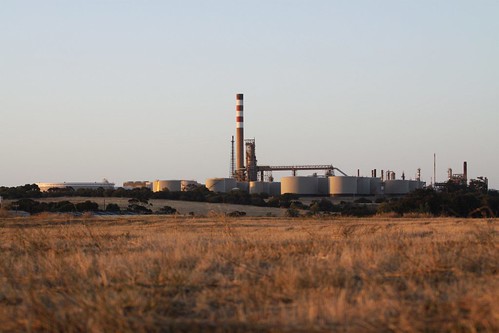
(138, 274)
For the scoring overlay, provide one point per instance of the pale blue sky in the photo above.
(144, 90)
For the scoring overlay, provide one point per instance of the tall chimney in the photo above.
(434, 169)
(465, 171)
(239, 133)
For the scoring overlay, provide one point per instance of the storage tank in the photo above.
(396, 186)
(171, 185)
(243, 186)
(323, 185)
(415, 185)
(256, 187)
(363, 186)
(275, 189)
(186, 184)
(375, 186)
(299, 185)
(342, 185)
(223, 185)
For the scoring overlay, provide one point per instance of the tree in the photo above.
(139, 206)
(62, 207)
(87, 206)
(167, 210)
(112, 207)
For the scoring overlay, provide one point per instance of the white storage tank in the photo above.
(186, 184)
(363, 186)
(323, 185)
(171, 185)
(342, 185)
(223, 185)
(396, 186)
(299, 185)
(259, 187)
(275, 189)
(375, 186)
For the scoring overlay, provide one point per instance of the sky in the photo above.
(145, 90)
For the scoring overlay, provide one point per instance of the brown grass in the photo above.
(141, 274)
(183, 207)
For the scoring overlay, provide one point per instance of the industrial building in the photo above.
(76, 185)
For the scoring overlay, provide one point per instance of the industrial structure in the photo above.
(247, 175)
(256, 178)
(130, 185)
(252, 171)
(459, 178)
(105, 184)
(173, 185)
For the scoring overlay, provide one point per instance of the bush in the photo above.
(112, 207)
(323, 205)
(167, 210)
(236, 213)
(292, 212)
(87, 206)
(139, 206)
(363, 200)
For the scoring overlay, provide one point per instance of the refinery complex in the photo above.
(247, 175)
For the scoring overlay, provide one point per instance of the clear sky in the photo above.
(144, 90)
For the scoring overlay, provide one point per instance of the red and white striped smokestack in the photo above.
(239, 132)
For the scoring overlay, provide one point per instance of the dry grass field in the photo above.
(177, 274)
(183, 207)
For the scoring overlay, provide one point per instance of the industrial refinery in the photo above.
(246, 174)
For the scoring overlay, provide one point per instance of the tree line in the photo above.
(450, 200)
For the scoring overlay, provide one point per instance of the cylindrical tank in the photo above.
(363, 186)
(256, 187)
(171, 185)
(243, 186)
(396, 186)
(415, 185)
(186, 184)
(342, 185)
(221, 184)
(275, 189)
(299, 185)
(323, 185)
(375, 186)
